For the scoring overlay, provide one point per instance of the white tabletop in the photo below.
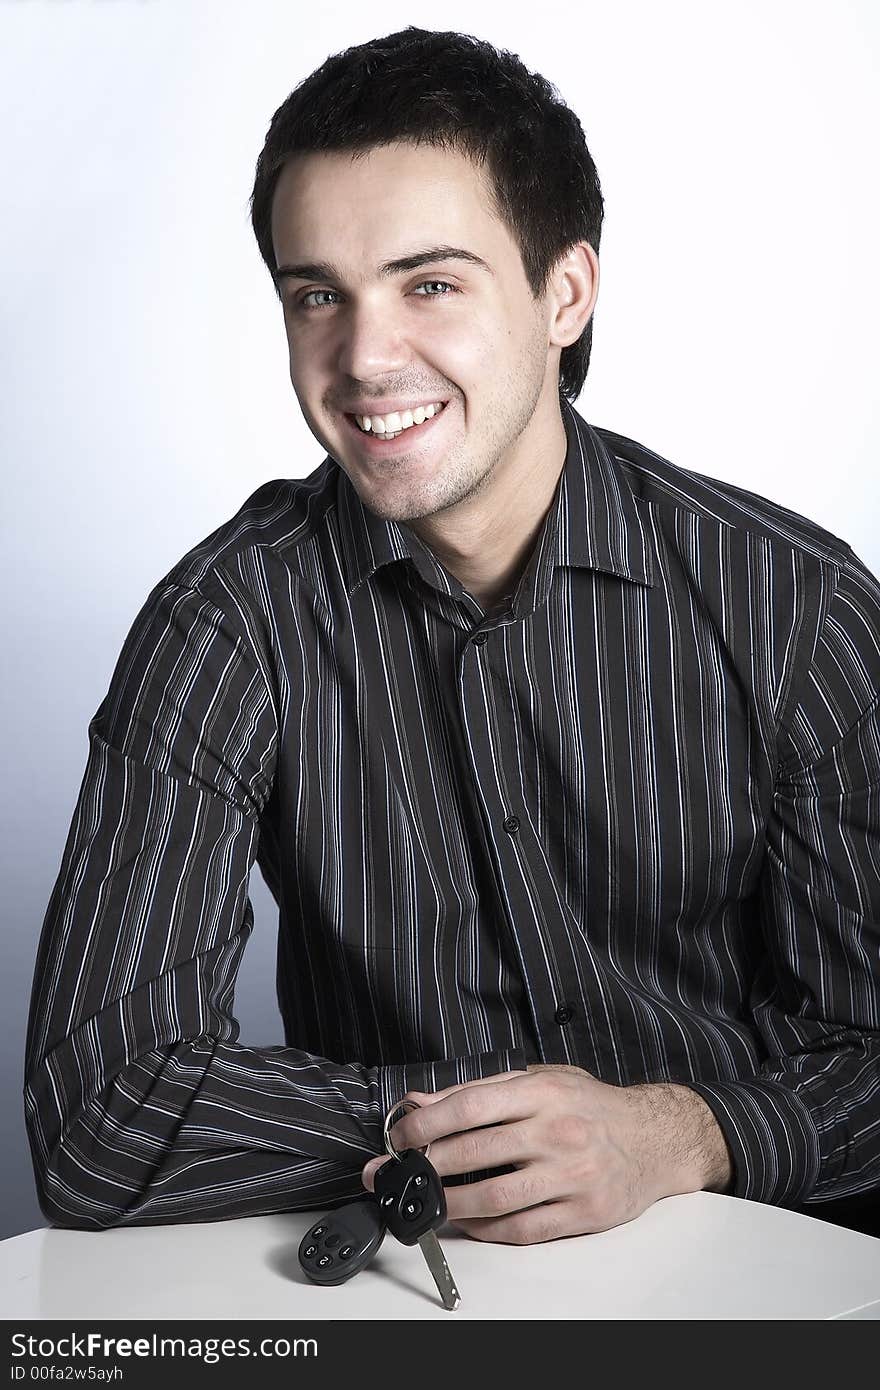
(699, 1256)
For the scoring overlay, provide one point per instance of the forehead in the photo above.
(371, 206)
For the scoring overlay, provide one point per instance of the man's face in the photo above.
(447, 331)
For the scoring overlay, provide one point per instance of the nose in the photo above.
(371, 341)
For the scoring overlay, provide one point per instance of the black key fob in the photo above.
(342, 1243)
(411, 1196)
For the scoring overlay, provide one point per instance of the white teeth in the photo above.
(396, 422)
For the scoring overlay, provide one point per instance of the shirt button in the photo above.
(564, 1014)
(511, 825)
(480, 639)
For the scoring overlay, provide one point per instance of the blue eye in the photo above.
(445, 283)
(310, 295)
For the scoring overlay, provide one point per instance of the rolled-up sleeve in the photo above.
(806, 1126)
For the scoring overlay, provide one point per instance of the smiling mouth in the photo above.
(409, 421)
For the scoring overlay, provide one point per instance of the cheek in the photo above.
(304, 369)
(462, 353)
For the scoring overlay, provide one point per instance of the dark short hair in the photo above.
(454, 91)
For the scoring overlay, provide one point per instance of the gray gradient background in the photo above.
(144, 374)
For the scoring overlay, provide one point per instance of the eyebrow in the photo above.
(322, 270)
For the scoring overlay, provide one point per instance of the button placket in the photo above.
(530, 900)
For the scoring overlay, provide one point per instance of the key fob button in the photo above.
(349, 1238)
(412, 1209)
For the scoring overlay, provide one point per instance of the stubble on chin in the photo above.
(405, 500)
(418, 503)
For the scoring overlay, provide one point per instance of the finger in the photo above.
(471, 1152)
(429, 1096)
(549, 1221)
(465, 1107)
(485, 1147)
(504, 1195)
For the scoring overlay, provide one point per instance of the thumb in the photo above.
(370, 1169)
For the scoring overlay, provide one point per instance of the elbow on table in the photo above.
(74, 1199)
(78, 1187)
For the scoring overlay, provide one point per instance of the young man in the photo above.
(562, 762)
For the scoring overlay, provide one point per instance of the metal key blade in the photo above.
(436, 1262)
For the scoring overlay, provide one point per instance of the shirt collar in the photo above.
(593, 522)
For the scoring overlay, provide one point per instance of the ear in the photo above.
(572, 293)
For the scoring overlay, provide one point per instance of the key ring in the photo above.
(413, 1105)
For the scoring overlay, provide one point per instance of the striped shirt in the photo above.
(629, 820)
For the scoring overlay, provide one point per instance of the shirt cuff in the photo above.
(773, 1141)
(395, 1081)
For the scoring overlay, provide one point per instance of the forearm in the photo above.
(203, 1131)
(195, 1131)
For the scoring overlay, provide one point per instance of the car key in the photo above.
(413, 1204)
(342, 1243)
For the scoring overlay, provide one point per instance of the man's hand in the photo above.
(588, 1156)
